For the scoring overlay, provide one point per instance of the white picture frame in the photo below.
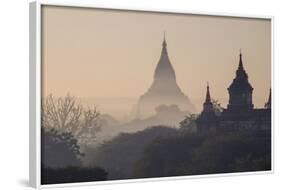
(35, 87)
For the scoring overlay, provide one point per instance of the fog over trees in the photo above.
(81, 144)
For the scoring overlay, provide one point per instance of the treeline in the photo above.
(165, 152)
(195, 154)
(119, 155)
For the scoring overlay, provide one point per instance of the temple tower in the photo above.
(208, 106)
(240, 90)
(164, 89)
(207, 120)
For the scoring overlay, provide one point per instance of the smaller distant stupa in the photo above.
(164, 89)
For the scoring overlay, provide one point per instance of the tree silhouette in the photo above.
(59, 149)
(217, 107)
(66, 114)
(189, 124)
(61, 160)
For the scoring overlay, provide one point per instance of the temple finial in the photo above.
(164, 44)
(208, 96)
(240, 60)
(164, 40)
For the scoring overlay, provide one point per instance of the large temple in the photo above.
(240, 113)
(164, 89)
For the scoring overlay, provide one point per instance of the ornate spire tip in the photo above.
(164, 40)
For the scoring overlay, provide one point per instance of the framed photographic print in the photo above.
(121, 94)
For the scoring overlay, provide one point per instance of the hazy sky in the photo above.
(111, 54)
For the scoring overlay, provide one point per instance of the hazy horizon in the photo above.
(97, 53)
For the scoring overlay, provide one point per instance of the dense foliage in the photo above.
(206, 154)
(59, 149)
(72, 175)
(61, 160)
(118, 155)
(163, 151)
